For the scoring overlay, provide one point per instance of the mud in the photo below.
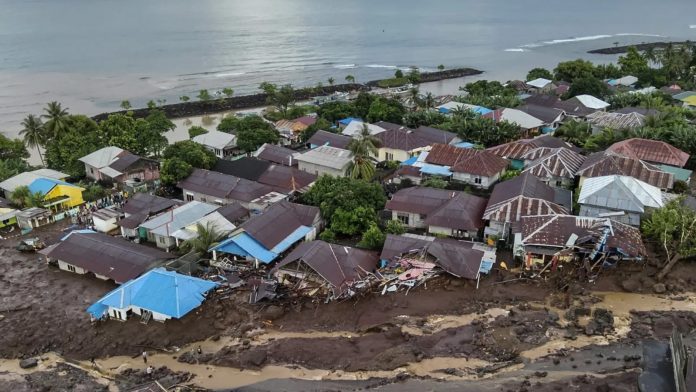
(62, 377)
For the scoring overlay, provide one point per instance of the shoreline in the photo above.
(199, 108)
(641, 47)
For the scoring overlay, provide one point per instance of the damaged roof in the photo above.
(616, 120)
(337, 264)
(518, 148)
(455, 257)
(553, 162)
(249, 168)
(521, 196)
(606, 163)
(108, 256)
(650, 150)
(558, 230)
(442, 208)
(276, 154)
(224, 186)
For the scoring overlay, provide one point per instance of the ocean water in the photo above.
(90, 54)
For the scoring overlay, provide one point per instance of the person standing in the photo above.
(145, 356)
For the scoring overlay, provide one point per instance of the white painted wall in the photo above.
(64, 266)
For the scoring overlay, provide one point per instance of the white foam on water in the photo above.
(577, 39)
(381, 66)
(692, 26)
(640, 35)
(345, 66)
(226, 74)
(515, 50)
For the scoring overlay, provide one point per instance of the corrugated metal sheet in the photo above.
(553, 162)
(650, 150)
(245, 245)
(521, 196)
(606, 164)
(620, 193)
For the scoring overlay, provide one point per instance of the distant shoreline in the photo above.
(200, 108)
(641, 47)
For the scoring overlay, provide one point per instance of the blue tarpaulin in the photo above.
(158, 290)
(409, 161)
(348, 120)
(435, 170)
(486, 266)
(546, 130)
(246, 246)
(464, 145)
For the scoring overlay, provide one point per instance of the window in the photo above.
(162, 240)
(189, 197)
(477, 180)
(559, 183)
(91, 170)
(218, 152)
(389, 156)
(71, 268)
(219, 202)
(402, 218)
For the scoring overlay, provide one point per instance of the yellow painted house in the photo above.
(58, 195)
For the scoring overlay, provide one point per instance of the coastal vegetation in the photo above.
(179, 160)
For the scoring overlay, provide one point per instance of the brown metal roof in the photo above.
(651, 151)
(277, 154)
(607, 164)
(443, 208)
(553, 162)
(105, 255)
(521, 196)
(223, 186)
(435, 135)
(401, 139)
(151, 204)
(543, 113)
(321, 138)
(483, 163)
(518, 148)
(339, 265)
(455, 257)
(555, 231)
(233, 212)
(446, 155)
(286, 179)
(279, 221)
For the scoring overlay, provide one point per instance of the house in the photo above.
(280, 178)
(325, 160)
(24, 179)
(104, 256)
(400, 144)
(355, 127)
(478, 168)
(33, 217)
(437, 135)
(621, 198)
(106, 219)
(276, 154)
(213, 221)
(159, 295)
(140, 207)
(572, 107)
(210, 186)
(551, 117)
(160, 228)
(588, 102)
(607, 163)
(528, 123)
(324, 138)
(57, 195)
(462, 259)
(439, 211)
(266, 236)
(626, 81)
(652, 151)
(293, 128)
(248, 168)
(679, 173)
(617, 121)
(222, 144)
(113, 164)
(542, 238)
(554, 166)
(453, 106)
(540, 86)
(320, 265)
(523, 195)
(8, 215)
(516, 150)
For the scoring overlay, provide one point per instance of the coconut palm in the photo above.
(428, 101)
(363, 149)
(574, 132)
(331, 81)
(652, 102)
(350, 78)
(20, 196)
(33, 133)
(208, 236)
(57, 119)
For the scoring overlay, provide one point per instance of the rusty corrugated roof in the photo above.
(521, 196)
(651, 151)
(553, 162)
(607, 164)
(483, 163)
(441, 207)
(446, 155)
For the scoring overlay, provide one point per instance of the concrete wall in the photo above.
(92, 172)
(122, 313)
(104, 226)
(629, 218)
(415, 221)
(65, 267)
(467, 178)
(319, 170)
(437, 230)
(397, 155)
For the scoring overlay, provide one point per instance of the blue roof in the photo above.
(348, 120)
(246, 246)
(295, 236)
(44, 185)
(158, 290)
(481, 110)
(435, 170)
(612, 82)
(81, 231)
(409, 161)
(486, 266)
(547, 130)
(464, 145)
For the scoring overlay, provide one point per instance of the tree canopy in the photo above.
(536, 73)
(181, 158)
(13, 155)
(674, 228)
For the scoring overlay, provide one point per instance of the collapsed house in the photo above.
(409, 260)
(547, 239)
(320, 267)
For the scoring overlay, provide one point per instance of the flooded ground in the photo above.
(450, 335)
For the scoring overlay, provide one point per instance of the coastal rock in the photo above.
(28, 363)
(659, 288)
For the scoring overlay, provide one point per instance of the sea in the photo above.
(92, 54)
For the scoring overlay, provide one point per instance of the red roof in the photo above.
(483, 163)
(651, 151)
(306, 120)
(607, 164)
(446, 155)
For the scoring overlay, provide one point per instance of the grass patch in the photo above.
(392, 82)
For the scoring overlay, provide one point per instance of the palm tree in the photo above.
(652, 102)
(441, 67)
(208, 236)
(57, 117)
(429, 101)
(20, 196)
(574, 132)
(363, 150)
(34, 133)
(331, 81)
(350, 78)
